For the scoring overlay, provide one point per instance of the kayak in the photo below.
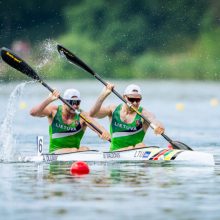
(151, 153)
(143, 154)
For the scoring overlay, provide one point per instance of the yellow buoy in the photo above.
(180, 106)
(22, 105)
(214, 102)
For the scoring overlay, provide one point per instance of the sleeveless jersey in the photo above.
(65, 135)
(123, 134)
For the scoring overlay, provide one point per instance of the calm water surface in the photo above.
(118, 190)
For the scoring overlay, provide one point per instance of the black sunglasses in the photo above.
(74, 102)
(134, 99)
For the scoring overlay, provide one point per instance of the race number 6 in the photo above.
(39, 145)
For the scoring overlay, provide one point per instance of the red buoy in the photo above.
(79, 168)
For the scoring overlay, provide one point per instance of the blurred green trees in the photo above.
(124, 39)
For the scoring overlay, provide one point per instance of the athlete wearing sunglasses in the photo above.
(74, 102)
(132, 100)
(127, 128)
(66, 127)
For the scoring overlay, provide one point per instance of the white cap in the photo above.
(70, 93)
(132, 90)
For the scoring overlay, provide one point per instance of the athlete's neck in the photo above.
(127, 110)
(68, 113)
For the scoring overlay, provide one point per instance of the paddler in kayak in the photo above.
(66, 127)
(127, 128)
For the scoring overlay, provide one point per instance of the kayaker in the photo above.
(66, 127)
(127, 128)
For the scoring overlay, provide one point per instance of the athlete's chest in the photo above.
(68, 121)
(126, 117)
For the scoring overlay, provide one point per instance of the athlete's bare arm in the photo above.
(44, 109)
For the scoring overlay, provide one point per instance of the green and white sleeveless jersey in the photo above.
(65, 135)
(123, 134)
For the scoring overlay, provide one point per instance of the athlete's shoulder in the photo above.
(112, 107)
(52, 110)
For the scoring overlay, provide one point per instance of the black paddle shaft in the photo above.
(19, 64)
(73, 59)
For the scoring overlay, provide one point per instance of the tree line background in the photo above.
(119, 39)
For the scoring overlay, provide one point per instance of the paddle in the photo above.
(72, 58)
(16, 62)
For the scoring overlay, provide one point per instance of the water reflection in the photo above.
(162, 174)
(154, 190)
(108, 187)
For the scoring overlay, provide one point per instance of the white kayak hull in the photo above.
(143, 154)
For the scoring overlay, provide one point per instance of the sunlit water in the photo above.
(112, 191)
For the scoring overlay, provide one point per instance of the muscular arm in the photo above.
(158, 126)
(44, 109)
(102, 112)
(97, 110)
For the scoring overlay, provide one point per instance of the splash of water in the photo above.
(47, 52)
(7, 141)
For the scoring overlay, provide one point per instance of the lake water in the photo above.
(191, 114)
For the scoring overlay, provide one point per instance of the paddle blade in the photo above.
(72, 58)
(17, 63)
(180, 146)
